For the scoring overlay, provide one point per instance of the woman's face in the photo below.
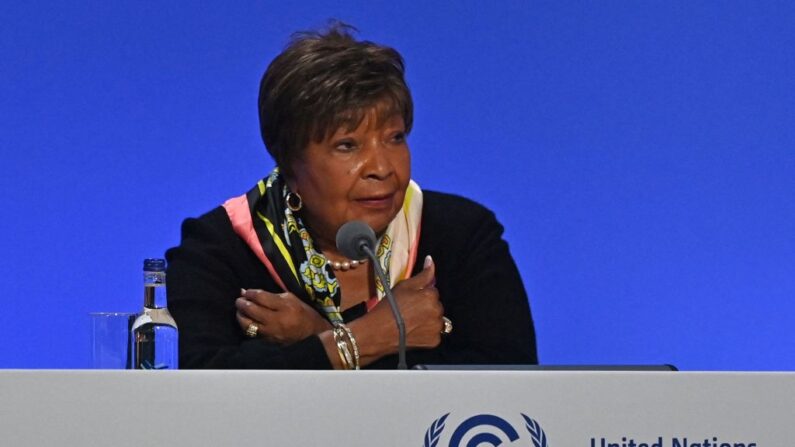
(353, 175)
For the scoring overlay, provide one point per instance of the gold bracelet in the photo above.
(342, 348)
(353, 343)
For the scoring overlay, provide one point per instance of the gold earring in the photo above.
(294, 201)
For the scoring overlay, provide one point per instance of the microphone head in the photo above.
(352, 237)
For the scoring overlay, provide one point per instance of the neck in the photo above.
(324, 241)
(329, 251)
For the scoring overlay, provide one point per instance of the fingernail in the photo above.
(243, 302)
(242, 291)
(428, 262)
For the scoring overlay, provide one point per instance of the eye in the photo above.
(345, 145)
(399, 138)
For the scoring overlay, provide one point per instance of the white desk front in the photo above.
(409, 408)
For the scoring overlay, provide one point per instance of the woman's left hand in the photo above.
(280, 317)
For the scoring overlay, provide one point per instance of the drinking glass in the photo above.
(110, 339)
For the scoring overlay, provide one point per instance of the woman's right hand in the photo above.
(418, 300)
(280, 318)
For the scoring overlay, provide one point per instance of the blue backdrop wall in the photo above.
(640, 154)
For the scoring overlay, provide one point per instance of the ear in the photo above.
(290, 180)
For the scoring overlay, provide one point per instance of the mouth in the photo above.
(377, 201)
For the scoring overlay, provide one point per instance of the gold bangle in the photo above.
(353, 343)
(342, 348)
(342, 358)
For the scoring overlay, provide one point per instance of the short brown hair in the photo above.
(322, 81)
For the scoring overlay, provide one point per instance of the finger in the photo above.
(270, 300)
(260, 314)
(430, 292)
(244, 321)
(430, 265)
(425, 278)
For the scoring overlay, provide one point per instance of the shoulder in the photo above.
(451, 202)
(454, 228)
(213, 226)
(444, 212)
(217, 218)
(209, 234)
(210, 247)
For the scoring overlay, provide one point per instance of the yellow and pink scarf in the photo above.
(279, 239)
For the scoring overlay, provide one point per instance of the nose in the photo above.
(378, 163)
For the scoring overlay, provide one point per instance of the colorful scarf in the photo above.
(281, 241)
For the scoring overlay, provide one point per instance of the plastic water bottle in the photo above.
(154, 332)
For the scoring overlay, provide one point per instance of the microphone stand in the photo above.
(392, 304)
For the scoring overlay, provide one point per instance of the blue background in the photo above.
(640, 155)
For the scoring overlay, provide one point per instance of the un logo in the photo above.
(484, 429)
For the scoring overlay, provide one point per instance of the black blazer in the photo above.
(478, 283)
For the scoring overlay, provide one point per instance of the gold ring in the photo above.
(252, 330)
(448, 325)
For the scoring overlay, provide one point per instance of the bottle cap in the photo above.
(154, 265)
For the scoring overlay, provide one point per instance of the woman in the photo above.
(259, 282)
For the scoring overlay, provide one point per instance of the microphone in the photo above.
(356, 240)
